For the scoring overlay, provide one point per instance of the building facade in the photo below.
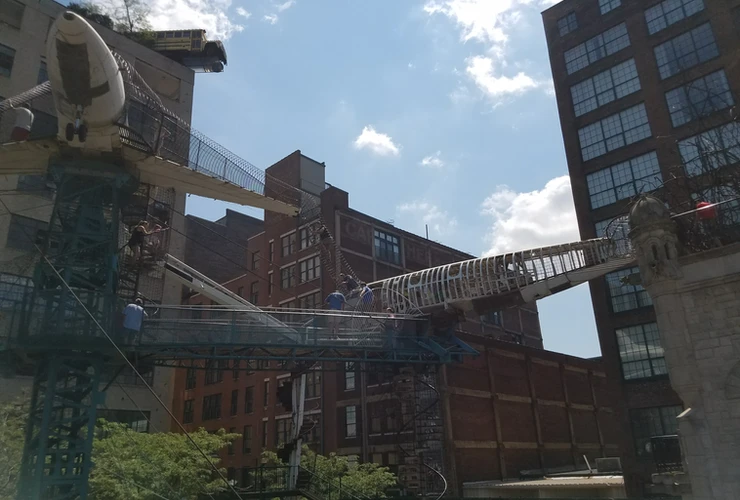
(504, 412)
(646, 93)
(24, 26)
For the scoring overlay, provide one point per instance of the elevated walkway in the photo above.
(499, 281)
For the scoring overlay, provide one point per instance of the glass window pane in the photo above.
(604, 44)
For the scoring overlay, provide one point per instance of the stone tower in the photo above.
(697, 302)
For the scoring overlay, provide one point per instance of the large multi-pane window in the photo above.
(604, 44)
(686, 50)
(711, 149)
(387, 247)
(254, 292)
(287, 277)
(624, 180)
(610, 85)
(349, 376)
(247, 439)
(699, 98)
(282, 431)
(287, 244)
(350, 421)
(614, 132)
(7, 57)
(256, 259)
(624, 295)
(136, 420)
(309, 269)
(650, 422)
(188, 411)
(307, 238)
(313, 384)
(249, 400)
(214, 371)
(211, 407)
(567, 24)
(603, 226)
(640, 351)
(190, 378)
(608, 5)
(24, 232)
(310, 301)
(662, 15)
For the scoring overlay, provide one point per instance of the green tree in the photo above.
(90, 11)
(131, 465)
(361, 480)
(12, 424)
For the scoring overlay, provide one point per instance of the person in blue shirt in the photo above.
(336, 302)
(366, 295)
(133, 317)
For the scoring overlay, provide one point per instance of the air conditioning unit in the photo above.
(609, 464)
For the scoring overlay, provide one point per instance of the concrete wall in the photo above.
(175, 84)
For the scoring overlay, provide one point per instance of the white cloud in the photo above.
(432, 161)
(532, 219)
(481, 71)
(211, 15)
(243, 12)
(483, 20)
(440, 223)
(378, 143)
(285, 6)
(270, 18)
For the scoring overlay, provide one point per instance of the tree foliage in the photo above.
(91, 11)
(137, 466)
(128, 17)
(13, 416)
(363, 480)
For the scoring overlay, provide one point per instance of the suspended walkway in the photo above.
(491, 283)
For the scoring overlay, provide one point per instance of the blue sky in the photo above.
(433, 112)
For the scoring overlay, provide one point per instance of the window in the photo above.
(13, 289)
(269, 284)
(610, 85)
(640, 351)
(246, 477)
(212, 407)
(128, 377)
(255, 261)
(249, 400)
(288, 244)
(614, 132)
(313, 434)
(214, 372)
(387, 247)
(685, 51)
(492, 318)
(392, 458)
(263, 364)
(287, 277)
(254, 292)
(662, 15)
(309, 269)
(699, 98)
(282, 431)
(310, 301)
(567, 24)
(604, 44)
(349, 376)
(271, 249)
(266, 395)
(313, 384)
(350, 421)
(608, 5)
(709, 150)
(188, 411)
(43, 74)
(264, 433)
(232, 430)
(603, 225)
(623, 295)
(230, 472)
(307, 238)
(190, 378)
(235, 369)
(24, 233)
(136, 420)
(649, 422)
(7, 57)
(11, 13)
(624, 180)
(247, 439)
(234, 402)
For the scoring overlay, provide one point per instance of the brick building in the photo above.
(227, 235)
(643, 89)
(518, 425)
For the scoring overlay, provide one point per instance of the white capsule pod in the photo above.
(86, 84)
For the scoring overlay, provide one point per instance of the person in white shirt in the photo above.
(133, 317)
(23, 123)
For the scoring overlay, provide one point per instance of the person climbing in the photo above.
(138, 235)
(336, 302)
(366, 296)
(133, 318)
(23, 123)
(350, 283)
